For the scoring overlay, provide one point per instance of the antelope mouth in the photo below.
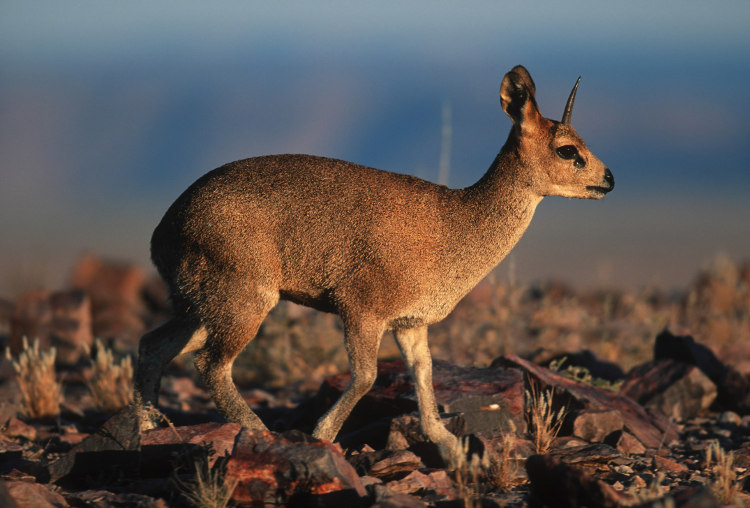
(608, 181)
(598, 191)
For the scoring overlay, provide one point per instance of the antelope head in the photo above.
(555, 159)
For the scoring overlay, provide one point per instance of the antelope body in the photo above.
(382, 250)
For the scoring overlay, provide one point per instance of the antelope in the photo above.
(384, 251)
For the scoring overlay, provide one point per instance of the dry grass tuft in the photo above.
(504, 467)
(468, 472)
(208, 488)
(35, 373)
(111, 384)
(721, 464)
(654, 493)
(544, 421)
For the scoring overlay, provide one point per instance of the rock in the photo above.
(668, 465)
(684, 497)
(675, 389)
(158, 445)
(9, 451)
(61, 320)
(554, 483)
(117, 294)
(584, 455)
(595, 425)
(420, 483)
(73, 438)
(368, 481)
(520, 448)
(220, 436)
(106, 499)
(733, 387)
(387, 498)
(742, 455)
(406, 434)
(109, 281)
(34, 494)
(113, 450)
(629, 445)
(385, 464)
(487, 398)
(652, 430)
(14, 428)
(5, 498)
(290, 468)
(730, 418)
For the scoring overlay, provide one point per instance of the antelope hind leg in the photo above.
(155, 350)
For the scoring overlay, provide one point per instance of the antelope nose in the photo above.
(609, 178)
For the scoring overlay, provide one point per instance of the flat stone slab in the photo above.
(488, 398)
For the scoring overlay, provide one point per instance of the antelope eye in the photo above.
(567, 152)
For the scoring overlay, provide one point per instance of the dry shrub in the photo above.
(654, 493)
(721, 464)
(544, 421)
(718, 303)
(111, 384)
(35, 374)
(504, 466)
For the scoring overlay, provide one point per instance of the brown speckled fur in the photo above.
(383, 250)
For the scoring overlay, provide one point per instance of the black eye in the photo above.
(567, 152)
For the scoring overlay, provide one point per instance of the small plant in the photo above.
(111, 385)
(654, 492)
(544, 421)
(504, 467)
(35, 373)
(468, 472)
(721, 464)
(208, 488)
(583, 375)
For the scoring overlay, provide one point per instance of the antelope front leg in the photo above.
(413, 345)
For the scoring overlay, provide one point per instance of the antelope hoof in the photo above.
(147, 418)
(452, 452)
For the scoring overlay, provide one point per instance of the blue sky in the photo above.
(108, 110)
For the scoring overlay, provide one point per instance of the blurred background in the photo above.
(109, 110)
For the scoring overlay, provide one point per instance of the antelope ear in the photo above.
(517, 97)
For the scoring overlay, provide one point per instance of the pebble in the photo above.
(623, 469)
(723, 433)
(697, 477)
(730, 417)
(637, 482)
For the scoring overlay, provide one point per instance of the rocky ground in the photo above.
(648, 393)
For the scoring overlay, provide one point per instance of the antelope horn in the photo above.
(569, 105)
